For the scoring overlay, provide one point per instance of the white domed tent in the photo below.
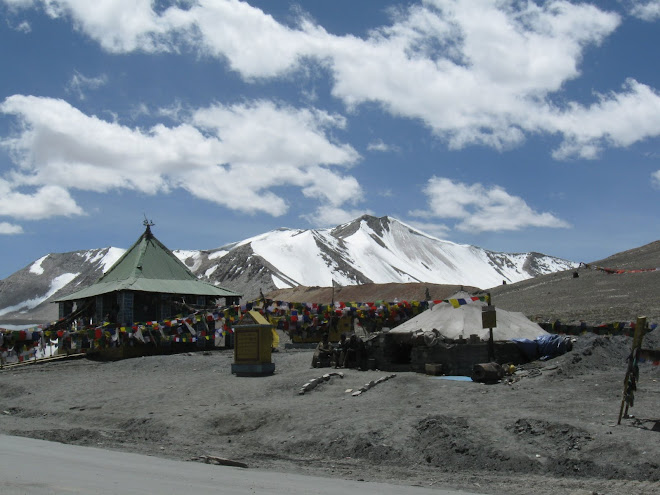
(465, 320)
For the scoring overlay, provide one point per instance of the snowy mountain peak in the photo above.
(371, 250)
(366, 250)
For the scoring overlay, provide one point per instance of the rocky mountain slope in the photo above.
(595, 296)
(368, 250)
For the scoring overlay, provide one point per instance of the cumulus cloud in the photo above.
(117, 25)
(253, 42)
(10, 228)
(648, 10)
(235, 156)
(477, 208)
(617, 119)
(250, 40)
(473, 72)
(484, 73)
(44, 202)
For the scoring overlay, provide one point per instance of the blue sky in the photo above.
(511, 125)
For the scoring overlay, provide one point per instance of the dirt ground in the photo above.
(550, 430)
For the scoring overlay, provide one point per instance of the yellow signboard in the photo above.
(247, 345)
(253, 341)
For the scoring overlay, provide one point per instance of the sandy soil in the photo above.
(551, 430)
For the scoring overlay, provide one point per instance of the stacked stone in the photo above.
(372, 384)
(313, 383)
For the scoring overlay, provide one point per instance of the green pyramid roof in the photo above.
(148, 266)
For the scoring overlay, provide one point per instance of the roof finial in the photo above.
(148, 224)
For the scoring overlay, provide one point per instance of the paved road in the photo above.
(37, 467)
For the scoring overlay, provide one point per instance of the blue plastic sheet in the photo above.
(454, 378)
(544, 347)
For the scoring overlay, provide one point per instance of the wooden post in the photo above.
(488, 319)
(630, 381)
(333, 293)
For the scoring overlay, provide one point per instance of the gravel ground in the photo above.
(550, 429)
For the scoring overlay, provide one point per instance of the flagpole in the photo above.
(333, 292)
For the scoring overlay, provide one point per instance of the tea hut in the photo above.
(148, 283)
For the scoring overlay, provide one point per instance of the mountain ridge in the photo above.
(367, 250)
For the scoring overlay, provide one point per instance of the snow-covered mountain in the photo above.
(366, 250)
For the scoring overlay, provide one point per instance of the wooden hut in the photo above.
(148, 283)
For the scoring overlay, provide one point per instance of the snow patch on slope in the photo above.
(403, 255)
(36, 267)
(191, 258)
(56, 284)
(103, 257)
(296, 254)
(217, 254)
(111, 258)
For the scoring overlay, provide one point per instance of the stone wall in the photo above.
(397, 352)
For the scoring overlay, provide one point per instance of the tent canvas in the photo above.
(453, 323)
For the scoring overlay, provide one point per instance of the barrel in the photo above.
(487, 372)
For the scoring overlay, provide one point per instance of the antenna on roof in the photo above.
(148, 224)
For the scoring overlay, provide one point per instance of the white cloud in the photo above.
(655, 179)
(648, 10)
(473, 72)
(138, 111)
(20, 3)
(79, 83)
(175, 112)
(24, 27)
(380, 145)
(253, 43)
(236, 156)
(263, 132)
(46, 201)
(117, 25)
(10, 228)
(486, 72)
(479, 209)
(617, 119)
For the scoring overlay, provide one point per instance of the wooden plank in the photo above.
(42, 360)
